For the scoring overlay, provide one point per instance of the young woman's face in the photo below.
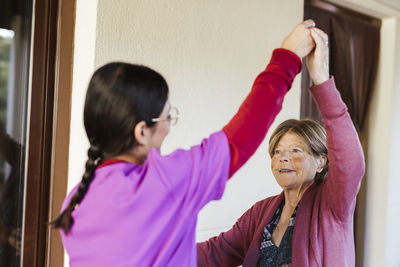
(293, 165)
(161, 129)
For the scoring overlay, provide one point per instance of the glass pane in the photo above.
(15, 42)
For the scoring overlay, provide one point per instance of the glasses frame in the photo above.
(172, 119)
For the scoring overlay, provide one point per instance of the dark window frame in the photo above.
(48, 140)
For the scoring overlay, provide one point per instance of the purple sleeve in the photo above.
(198, 175)
(346, 158)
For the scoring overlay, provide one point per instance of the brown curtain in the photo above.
(9, 9)
(354, 53)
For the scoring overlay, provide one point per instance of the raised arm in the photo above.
(249, 126)
(346, 158)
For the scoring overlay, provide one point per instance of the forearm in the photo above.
(346, 158)
(226, 249)
(249, 126)
(230, 248)
(212, 253)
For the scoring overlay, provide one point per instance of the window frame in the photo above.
(49, 124)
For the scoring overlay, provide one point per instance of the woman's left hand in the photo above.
(318, 60)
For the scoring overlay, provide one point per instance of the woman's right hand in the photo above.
(318, 60)
(299, 41)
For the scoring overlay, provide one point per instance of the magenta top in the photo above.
(145, 215)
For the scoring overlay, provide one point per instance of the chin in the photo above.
(288, 186)
(285, 185)
(286, 180)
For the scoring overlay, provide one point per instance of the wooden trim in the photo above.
(40, 138)
(61, 125)
(48, 130)
(337, 9)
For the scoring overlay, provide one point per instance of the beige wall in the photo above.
(84, 51)
(392, 255)
(210, 53)
(84, 56)
(377, 237)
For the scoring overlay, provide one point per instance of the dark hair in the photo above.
(118, 97)
(313, 135)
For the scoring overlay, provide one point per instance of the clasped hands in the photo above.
(306, 40)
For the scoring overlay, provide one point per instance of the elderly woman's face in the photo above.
(293, 165)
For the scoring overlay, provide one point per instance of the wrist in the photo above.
(320, 79)
(293, 51)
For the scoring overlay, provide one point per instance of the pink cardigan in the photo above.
(323, 234)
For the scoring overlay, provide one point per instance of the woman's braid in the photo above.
(65, 220)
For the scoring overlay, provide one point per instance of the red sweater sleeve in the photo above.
(248, 127)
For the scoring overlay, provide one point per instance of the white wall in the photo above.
(84, 56)
(84, 51)
(378, 160)
(209, 52)
(392, 255)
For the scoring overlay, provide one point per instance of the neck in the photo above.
(136, 155)
(293, 196)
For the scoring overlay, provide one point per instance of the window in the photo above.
(35, 88)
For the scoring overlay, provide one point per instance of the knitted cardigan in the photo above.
(323, 234)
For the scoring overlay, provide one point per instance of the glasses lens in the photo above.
(173, 115)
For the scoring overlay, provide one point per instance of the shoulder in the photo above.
(199, 172)
(206, 158)
(216, 142)
(265, 203)
(263, 206)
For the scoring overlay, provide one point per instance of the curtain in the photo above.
(353, 60)
(9, 9)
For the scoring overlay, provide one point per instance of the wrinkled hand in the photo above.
(318, 60)
(299, 41)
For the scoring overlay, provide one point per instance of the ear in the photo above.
(321, 161)
(142, 133)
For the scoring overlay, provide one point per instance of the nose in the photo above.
(284, 157)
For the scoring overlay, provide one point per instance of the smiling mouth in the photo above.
(286, 171)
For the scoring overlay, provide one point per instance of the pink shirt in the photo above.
(145, 215)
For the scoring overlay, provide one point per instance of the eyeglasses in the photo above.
(172, 116)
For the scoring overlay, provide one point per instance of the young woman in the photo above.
(135, 207)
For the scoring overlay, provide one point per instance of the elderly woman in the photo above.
(311, 222)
